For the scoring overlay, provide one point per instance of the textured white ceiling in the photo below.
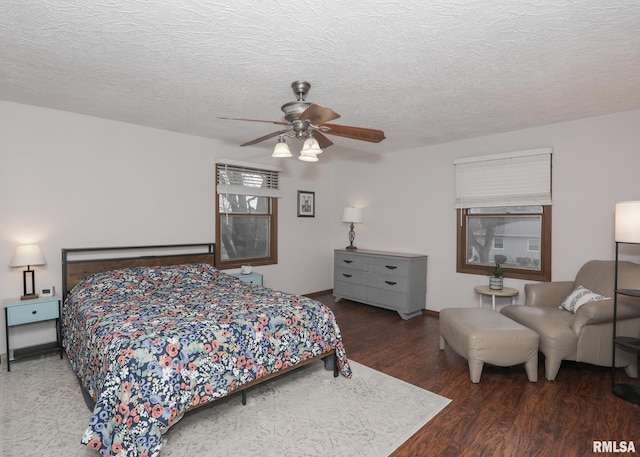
(424, 72)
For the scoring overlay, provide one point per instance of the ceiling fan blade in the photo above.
(318, 114)
(266, 137)
(323, 141)
(355, 133)
(253, 120)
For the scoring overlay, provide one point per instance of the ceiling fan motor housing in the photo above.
(293, 110)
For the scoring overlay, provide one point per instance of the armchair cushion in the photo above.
(579, 297)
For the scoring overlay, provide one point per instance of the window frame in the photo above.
(271, 214)
(544, 274)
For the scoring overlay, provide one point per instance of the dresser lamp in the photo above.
(28, 255)
(352, 216)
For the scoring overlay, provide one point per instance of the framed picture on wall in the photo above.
(306, 203)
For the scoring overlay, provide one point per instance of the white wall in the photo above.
(68, 180)
(408, 198)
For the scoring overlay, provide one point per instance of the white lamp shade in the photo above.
(307, 157)
(281, 150)
(353, 215)
(27, 254)
(311, 146)
(627, 228)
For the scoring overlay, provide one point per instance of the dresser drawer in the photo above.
(350, 276)
(388, 299)
(350, 261)
(349, 290)
(389, 282)
(32, 312)
(392, 266)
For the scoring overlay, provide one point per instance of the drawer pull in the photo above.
(390, 267)
(346, 275)
(391, 283)
(34, 311)
(347, 261)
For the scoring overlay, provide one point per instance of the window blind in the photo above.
(512, 179)
(242, 178)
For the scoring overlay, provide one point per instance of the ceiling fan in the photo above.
(307, 122)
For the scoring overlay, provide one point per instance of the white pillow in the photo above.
(579, 297)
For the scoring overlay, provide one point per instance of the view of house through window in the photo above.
(503, 238)
(246, 216)
(510, 236)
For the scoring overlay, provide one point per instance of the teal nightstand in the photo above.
(253, 278)
(23, 312)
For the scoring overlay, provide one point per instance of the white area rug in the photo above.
(305, 413)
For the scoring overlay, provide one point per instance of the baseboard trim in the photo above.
(317, 294)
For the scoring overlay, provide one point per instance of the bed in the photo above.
(153, 336)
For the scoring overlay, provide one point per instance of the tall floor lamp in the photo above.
(27, 255)
(352, 216)
(627, 231)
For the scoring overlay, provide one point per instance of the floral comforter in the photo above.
(149, 342)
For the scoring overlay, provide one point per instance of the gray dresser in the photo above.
(385, 279)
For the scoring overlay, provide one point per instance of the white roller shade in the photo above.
(513, 179)
(247, 179)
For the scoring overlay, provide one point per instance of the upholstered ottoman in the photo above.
(482, 335)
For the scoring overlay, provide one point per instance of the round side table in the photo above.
(504, 292)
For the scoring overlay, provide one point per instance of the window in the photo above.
(246, 214)
(518, 228)
(503, 206)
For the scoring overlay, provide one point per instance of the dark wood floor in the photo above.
(503, 415)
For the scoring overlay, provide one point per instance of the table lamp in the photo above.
(28, 255)
(352, 216)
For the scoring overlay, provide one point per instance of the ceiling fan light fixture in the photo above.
(307, 157)
(282, 149)
(311, 146)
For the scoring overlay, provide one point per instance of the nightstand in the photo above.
(253, 278)
(24, 312)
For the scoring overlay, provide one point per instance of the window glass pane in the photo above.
(244, 237)
(513, 233)
(243, 204)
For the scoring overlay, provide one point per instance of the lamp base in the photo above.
(29, 297)
(352, 248)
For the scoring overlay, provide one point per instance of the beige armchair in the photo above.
(585, 336)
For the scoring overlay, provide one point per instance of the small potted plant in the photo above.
(496, 277)
(245, 269)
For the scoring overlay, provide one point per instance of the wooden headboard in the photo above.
(80, 263)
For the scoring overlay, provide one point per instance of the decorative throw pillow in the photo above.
(579, 297)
